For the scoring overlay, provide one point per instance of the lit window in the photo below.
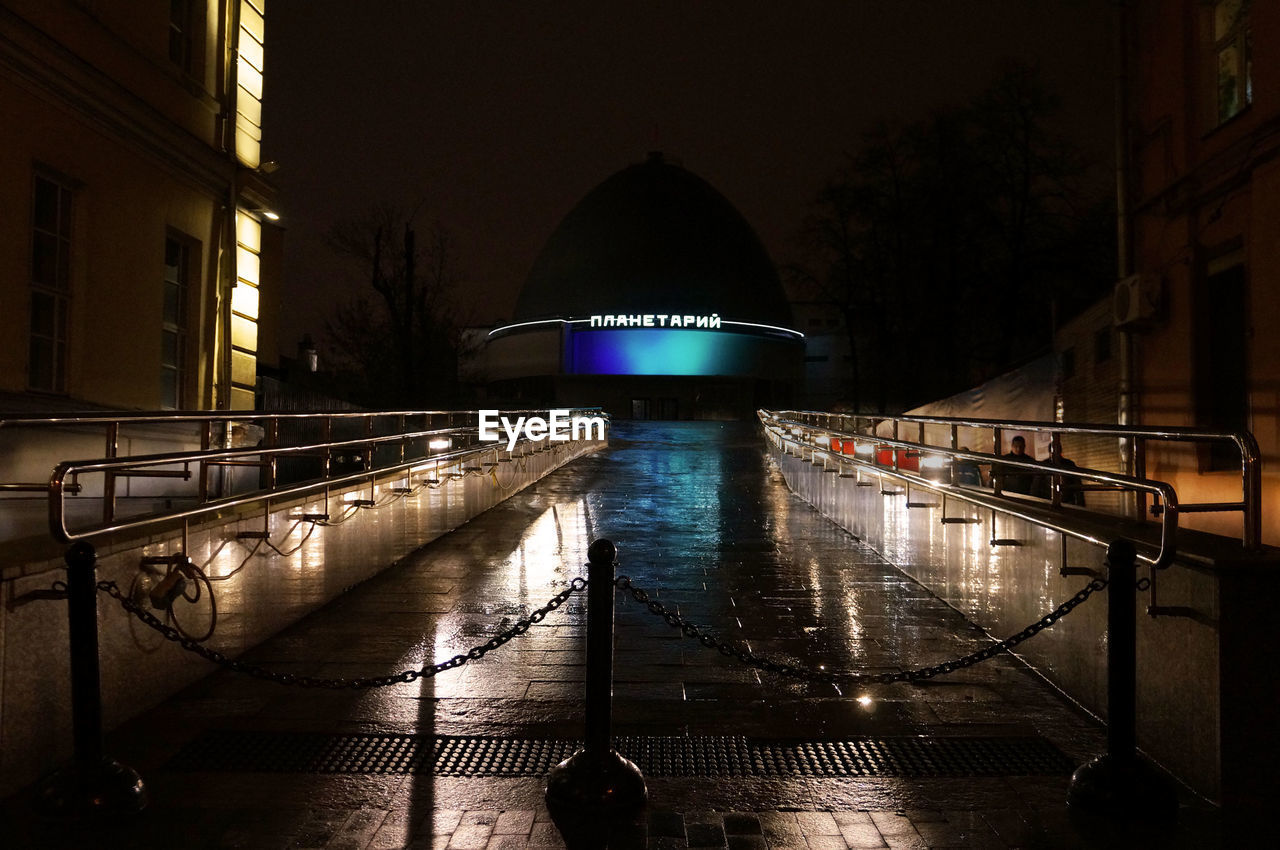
(50, 285)
(1233, 65)
(173, 332)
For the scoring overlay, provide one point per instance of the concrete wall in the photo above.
(1185, 702)
(140, 668)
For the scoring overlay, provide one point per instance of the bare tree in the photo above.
(946, 244)
(399, 342)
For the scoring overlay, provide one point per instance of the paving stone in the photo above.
(665, 842)
(471, 837)
(514, 823)
(817, 823)
(665, 824)
(444, 821)
(893, 824)
(508, 842)
(545, 834)
(825, 842)
(738, 823)
(860, 833)
(780, 828)
(705, 834)
(746, 842)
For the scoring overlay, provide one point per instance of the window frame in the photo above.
(1236, 36)
(55, 292)
(178, 325)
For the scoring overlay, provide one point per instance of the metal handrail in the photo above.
(111, 421)
(1250, 456)
(64, 479)
(57, 504)
(1164, 553)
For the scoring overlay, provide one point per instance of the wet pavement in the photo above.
(706, 526)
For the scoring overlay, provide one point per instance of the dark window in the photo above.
(50, 285)
(1068, 364)
(1221, 361)
(1102, 345)
(173, 332)
(182, 25)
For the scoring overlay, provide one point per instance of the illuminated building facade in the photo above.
(654, 299)
(1198, 303)
(136, 261)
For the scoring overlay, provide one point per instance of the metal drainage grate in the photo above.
(268, 752)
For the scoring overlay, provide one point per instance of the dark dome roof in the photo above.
(654, 238)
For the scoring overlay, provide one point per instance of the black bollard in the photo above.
(93, 783)
(1120, 783)
(1122, 654)
(595, 784)
(601, 557)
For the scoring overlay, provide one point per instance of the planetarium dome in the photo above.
(654, 298)
(654, 238)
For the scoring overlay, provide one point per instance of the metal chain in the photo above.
(707, 639)
(424, 672)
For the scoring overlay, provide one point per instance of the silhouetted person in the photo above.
(1012, 479)
(1072, 493)
(967, 472)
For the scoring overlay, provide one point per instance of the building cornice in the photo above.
(38, 63)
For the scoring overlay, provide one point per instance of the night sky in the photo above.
(496, 118)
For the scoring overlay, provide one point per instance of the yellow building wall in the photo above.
(128, 39)
(123, 207)
(1202, 188)
(91, 97)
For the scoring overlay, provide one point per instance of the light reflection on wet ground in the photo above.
(706, 525)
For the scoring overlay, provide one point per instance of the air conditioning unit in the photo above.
(1136, 299)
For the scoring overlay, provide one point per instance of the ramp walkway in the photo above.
(734, 757)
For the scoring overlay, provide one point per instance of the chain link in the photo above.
(708, 639)
(426, 671)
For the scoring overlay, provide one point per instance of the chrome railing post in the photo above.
(997, 449)
(206, 442)
(1251, 489)
(1139, 448)
(955, 446)
(108, 477)
(1055, 460)
(271, 441)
